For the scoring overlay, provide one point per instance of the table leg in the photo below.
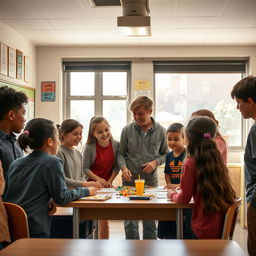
(179, 223)
(76, 220)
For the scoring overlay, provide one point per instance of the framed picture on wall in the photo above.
(3, 59)
(12, 62)
(19, 65)
(26, 68)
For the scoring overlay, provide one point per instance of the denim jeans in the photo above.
(132, 229)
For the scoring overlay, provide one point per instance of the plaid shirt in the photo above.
(9, 150)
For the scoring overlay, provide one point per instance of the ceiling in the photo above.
(173, 22)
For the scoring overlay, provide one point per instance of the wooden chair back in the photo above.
(17, 220)
(230, 220)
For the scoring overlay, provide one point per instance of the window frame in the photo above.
(207, 66)
(98, 68)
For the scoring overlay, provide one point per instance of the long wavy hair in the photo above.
(214, 184)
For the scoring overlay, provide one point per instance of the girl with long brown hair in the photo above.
(205, 178)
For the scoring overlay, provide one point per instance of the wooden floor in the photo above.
(117, 232)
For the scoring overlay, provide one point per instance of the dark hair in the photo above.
(10, 99)
(94, 121)
(36, 132)
(245, 89)
(175, 127)
(206, 112)
(67, 126)
(214, 184)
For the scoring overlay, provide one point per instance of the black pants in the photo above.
(62, 227)
(167, 229)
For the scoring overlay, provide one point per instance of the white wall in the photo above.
(49, 67)
(49, 64)
(13, 39)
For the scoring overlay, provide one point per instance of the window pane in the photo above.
(115, 83)
(82, 83)
(179, 95)
(118, 120)
(82, 111)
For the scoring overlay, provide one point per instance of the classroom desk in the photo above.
(78, 247)
(122, 208)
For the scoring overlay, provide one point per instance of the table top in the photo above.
(125, 202)
(76, 247)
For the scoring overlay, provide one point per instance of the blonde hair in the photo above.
(144, 101)
(94, 121)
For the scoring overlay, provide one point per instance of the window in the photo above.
(184, 87)
(97, 88)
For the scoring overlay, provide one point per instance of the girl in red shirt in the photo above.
(100, 161)
(205, 178)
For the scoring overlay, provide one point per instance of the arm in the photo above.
(109, 182)
(163, 148)
(188, 185)
(151, 166)
(126, 173)
(2, 183)
(57, 187)
(93, 176)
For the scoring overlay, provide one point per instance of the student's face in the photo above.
(102, 132)
(73, 138)
(142, 116)
(247, 108)
(18, 119)
(175, 141)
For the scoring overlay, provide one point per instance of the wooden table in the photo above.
(78, 247)
(122, 208)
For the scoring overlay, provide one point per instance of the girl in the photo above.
(221, 143)
(34, 179)
(100, 162)
(206, 178)
(70, 135)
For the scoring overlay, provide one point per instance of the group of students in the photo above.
(195, 168)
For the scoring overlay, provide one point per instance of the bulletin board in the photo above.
(30, 92)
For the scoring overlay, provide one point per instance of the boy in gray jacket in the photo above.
(143, 147)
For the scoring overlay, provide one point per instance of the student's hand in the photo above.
(126, 174)
(149, 167)
(94, 184)
(102, 182)
(52, 207)
(109, 184)
(92, 191)
(170, 193)
(173, 186)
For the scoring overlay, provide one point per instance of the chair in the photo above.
(230, 220)
(17, 220)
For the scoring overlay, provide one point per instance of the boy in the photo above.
(172, 170)
(142, 148)
(244, 92)
(175, 158)
(12, 121)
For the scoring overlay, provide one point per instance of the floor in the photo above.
(117, 232)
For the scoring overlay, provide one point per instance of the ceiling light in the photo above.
(135, 20)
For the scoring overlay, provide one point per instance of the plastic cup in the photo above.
(139, 184)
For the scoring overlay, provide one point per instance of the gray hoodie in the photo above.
(137, 148)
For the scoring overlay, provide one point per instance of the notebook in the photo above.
(96, 198)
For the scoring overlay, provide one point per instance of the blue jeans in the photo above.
(131, 228)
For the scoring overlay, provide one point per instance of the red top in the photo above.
(204, 225)
(222, 147)
(104, 161)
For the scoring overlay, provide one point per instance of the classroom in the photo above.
(73, 61)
